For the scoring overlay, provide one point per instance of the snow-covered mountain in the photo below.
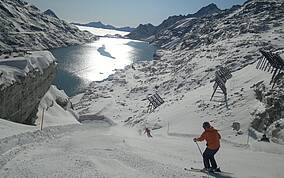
(254, 17)
(144, 31)
(201, 28)
(104, 26)
(206, 11)
(25, 27)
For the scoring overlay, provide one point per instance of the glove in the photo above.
(195, 139)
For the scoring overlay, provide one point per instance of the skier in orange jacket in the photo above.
(212, 138)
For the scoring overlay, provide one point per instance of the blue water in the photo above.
(80, 65)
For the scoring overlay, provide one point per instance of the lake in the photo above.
(80, 65)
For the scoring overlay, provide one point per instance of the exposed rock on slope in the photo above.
(25, 27)
(273, 100)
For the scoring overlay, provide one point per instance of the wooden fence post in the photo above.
(248, 137)
(41, 123)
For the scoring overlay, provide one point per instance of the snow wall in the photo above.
(23, 82)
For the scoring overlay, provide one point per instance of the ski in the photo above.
(207, 172)
(196, 170)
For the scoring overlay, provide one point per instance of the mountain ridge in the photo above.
(138, 32)
(99, 24)
(25, 27)
(190, 31)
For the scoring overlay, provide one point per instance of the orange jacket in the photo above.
(212, 138)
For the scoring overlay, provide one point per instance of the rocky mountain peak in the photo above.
(143, 31)
(145, 25)
(207, 10)
(50, 13)
(98, 24)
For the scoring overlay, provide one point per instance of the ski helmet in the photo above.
(206, 125)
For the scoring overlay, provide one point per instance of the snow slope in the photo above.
(56, 114)
(9, 128)
(97, 150)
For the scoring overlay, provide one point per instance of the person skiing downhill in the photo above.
(212, 138)
(147, 130)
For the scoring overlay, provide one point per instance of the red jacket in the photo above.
(212, 138)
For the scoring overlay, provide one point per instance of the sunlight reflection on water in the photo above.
(79, 65)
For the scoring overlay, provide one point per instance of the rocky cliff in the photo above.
(271, 118)
(24, 27)
(24, 80)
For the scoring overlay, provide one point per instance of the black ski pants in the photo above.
(208, 157)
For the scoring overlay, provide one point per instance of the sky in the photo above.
(125, 12)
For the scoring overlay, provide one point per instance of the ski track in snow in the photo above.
(97, 150)
(79, 156)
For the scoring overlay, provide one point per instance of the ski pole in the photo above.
(199, 149)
